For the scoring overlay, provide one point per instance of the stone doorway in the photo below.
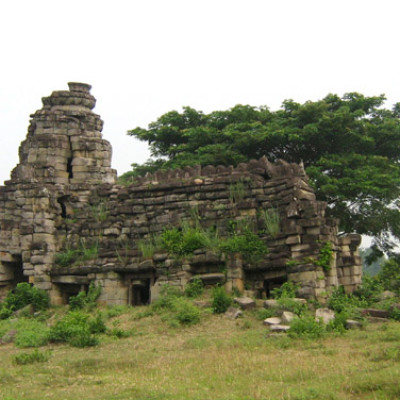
(11, 273)
(273, 283)
(69, 290)
(139, 292)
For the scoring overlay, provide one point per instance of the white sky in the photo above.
(146, 57)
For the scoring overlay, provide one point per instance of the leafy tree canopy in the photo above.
(350, 147)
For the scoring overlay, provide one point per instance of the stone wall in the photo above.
(62, 196)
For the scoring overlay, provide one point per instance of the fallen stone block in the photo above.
(272, 321)
(245, 303)
(279, 328)
(233, 313)
(325, 315)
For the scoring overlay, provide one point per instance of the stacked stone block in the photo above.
(62, 195)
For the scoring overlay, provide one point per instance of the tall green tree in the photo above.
(350, 147)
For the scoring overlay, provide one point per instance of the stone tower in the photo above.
(63, 156)
(64, 143)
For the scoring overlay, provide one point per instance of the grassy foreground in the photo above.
(216, 359)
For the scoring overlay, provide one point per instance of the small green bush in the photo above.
(248, 244)
(395, 314)
(23, 295)
(66, 258)
(96, 324)
(30, 358)
(341, 302)
(184, 241)
(85, 300)
(31, 333)
(221, 301)
(264, 313)
(287, 290)
(194, 289)
(176, 309)
(76, 328)
(290, 304)
(185, 312)
(306, 326)
(339, 323)
(168, 294)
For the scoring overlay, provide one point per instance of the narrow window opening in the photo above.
(61, 201)
(69, 168)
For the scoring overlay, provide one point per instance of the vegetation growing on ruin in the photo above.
(77, 254)
(349, 146)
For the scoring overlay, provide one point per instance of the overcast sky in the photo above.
(146, 57)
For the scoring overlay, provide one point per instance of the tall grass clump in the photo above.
(36, 356)
(271, 222)
(306, 326)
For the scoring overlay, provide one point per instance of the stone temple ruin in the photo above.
(63, 196)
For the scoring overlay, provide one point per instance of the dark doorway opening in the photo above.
(140, 292)
(70, 290)
(273, 283)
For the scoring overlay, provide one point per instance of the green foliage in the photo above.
(390, 274)
(290, 304)
(338, 324)
(31, 333)
(66, 258)
(248, 244)
(340, 302)
(236, 192)
(86, 300)
(78, 255)
(185, 312)
(179, 310)
(77, 329)
(349, 145)
(23, 295)
(369, 290)
(271, 222)
(264, 313)
(147, 247)
(99, 212)
(187, 239)
(306, 326)
(194, 289)
(395, 313)
(286, 290)
(167, 296)
(221, 301)
(36, 356)
(325, 257)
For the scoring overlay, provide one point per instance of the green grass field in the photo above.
(218, 358)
